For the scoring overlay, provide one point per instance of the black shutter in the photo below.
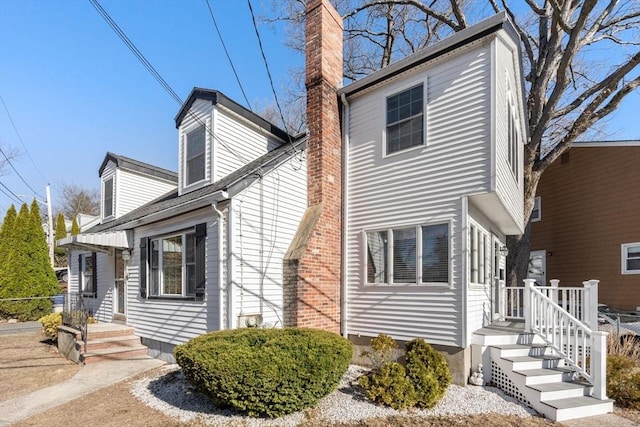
(143, 267)
(201, 237)
(94, 274)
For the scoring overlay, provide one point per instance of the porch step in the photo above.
(108, 354)
(543, 380)
(110, 341)
(113, 342)
(579, 407)
(107, 330)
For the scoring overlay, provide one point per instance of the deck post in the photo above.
(528, 286)
(554, 289)
(599, 364)
(590, 303)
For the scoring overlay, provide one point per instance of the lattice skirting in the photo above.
(502, 381)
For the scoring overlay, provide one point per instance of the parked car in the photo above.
(62, 274)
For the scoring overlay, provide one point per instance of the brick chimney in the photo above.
(312, 265)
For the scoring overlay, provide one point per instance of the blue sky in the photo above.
(74, 91)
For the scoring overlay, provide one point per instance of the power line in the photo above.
(266, 64)
(114, 26)
(135, 50)
(25, 149)
(18, 173)
(10, 194)
(215, 24)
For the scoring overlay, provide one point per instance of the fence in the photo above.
(75, 314)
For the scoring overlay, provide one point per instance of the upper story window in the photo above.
(195, 153)
(405, 121)
(631, 258)
(107, 198)
(408, 255)
(513, 134)
(536, 213)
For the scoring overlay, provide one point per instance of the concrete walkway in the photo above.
(607, 420)
(89, 378)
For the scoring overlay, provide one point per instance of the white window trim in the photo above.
(624, 255)
(161, 292)
(419, 281)
(483, 255)
(537, 203)
(207, 153)
(511, 102)
(83, 276)
(113, 197)
(424, 83)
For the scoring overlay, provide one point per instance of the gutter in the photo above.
(221, 288)
(344, 306)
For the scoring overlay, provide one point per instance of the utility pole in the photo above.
(50, 221)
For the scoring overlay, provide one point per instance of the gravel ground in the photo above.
(170, 393)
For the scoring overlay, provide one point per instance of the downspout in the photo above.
(345, 205)
(221, 286)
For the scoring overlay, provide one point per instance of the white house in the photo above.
(202, 248)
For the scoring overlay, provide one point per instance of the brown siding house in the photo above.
(589, 220)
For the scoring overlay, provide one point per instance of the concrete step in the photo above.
(107, 354)
(107, 330)
(577, 407)
(113, 342)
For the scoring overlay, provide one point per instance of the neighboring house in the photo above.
(585, 222)
(178, 255)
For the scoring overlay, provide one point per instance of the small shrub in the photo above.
(382, 348)
(623, 381)
(390, 386)
(50, 322)
(429, 372)
(265, 372)
(422, 383)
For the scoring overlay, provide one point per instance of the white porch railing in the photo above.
(567, 320)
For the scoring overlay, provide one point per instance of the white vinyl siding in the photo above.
(136, 189)
(175, 321)
(231, 142)
(509, 187)
(266, 217)
(100, 307)
(422, 186)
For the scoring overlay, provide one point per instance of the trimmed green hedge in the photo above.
(265, 372)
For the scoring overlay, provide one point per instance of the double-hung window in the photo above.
(536, 213)
(408, 255)
(88, 276)
(631, 258)
(195, 155)
(107, 198)
(173, 265)
(513, 135)
(478, 259)
(405, 121)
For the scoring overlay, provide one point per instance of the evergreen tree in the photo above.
(28, 272)
(6, 236)
(75, 228)
(61, 233)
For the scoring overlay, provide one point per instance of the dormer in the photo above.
(126, 184)
(216, 136)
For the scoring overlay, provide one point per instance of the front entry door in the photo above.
(538, 267)
(499, 276)
(119, 291)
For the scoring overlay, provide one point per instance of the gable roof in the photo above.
(475, 32)
(127, 163)
(172, 204)
(218, 98)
